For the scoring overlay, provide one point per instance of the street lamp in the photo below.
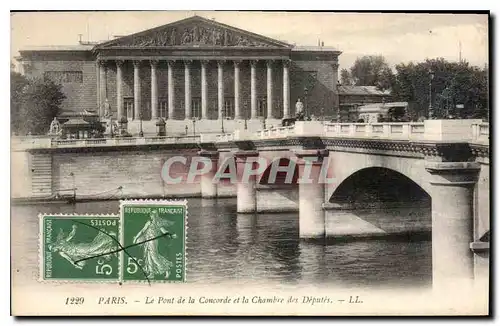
(194, 126)
(222, 122)
(431, 77)
(305, 101)
(141, 133)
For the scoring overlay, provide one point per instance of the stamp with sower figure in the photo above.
(79, 247)
(154, 240)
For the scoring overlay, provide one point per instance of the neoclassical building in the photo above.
(192, 69)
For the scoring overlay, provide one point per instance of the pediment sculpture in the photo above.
(195, 36)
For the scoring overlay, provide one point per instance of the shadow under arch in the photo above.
(379, 186)
(280, 180)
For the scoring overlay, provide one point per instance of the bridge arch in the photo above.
(281, 176)
(378, 185)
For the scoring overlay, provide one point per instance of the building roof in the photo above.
(75, 122)
(314, 48)
(153, 33)
(361, 90)
(74, 47)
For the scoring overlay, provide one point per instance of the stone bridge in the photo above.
(439, 165)
(442, 164)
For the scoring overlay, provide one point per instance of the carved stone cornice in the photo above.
(479, 150)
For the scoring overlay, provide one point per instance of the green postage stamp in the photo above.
(154, 240)
(145, 243)
(79, 247)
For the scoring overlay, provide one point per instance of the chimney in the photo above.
(322, 44)
(80, 38)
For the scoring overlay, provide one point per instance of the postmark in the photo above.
(154, 238)
(79, 247)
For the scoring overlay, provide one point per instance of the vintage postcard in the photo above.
(237, 163)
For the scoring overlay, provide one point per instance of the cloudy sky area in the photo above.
(398, 37)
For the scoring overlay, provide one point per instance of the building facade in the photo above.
(192, 69)
(353, 97)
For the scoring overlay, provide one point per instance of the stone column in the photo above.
(154, 90)
(452, 190)
(208, 188)
(253, 89)
(171, 94)
(270, 89)
(246, 193)
(137, 90)
(237, 111)
(102, 86)
(311, 194)
(119, 94)
(286, 89)
(187, 89)
(204, 94)
(220, 88)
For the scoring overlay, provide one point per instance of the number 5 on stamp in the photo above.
(154, 239)
(79, 247)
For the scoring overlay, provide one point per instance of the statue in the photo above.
(172, 37)
(299, 107)
(107, 109)
(186, 37)
(55, 127)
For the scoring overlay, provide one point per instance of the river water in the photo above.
(225, 246)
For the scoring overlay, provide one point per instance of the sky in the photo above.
(398, 37)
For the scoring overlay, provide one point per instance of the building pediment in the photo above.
(194, 32)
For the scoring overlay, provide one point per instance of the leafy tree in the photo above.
(368, 71)
(40, 102)
(17, 84)
(450, 83)
(345, 77)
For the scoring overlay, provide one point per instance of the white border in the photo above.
(155, 202)
(41, 249)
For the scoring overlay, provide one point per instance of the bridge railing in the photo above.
(389, 130)
(26, 143)
(480, 132)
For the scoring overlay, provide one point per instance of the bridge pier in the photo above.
(209, 188)
(452, 195)
(311, 194)
(245, 189)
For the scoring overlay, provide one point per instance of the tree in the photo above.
(345, 77)
(17, 84)
(453, 83)
(368, 71)
(40, 102)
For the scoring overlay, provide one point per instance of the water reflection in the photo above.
(258, 248)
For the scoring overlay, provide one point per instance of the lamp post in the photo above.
(194, 126)
(141, 132)
(305, 101)
(222, 122)
(186, 129)
(431, 77)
